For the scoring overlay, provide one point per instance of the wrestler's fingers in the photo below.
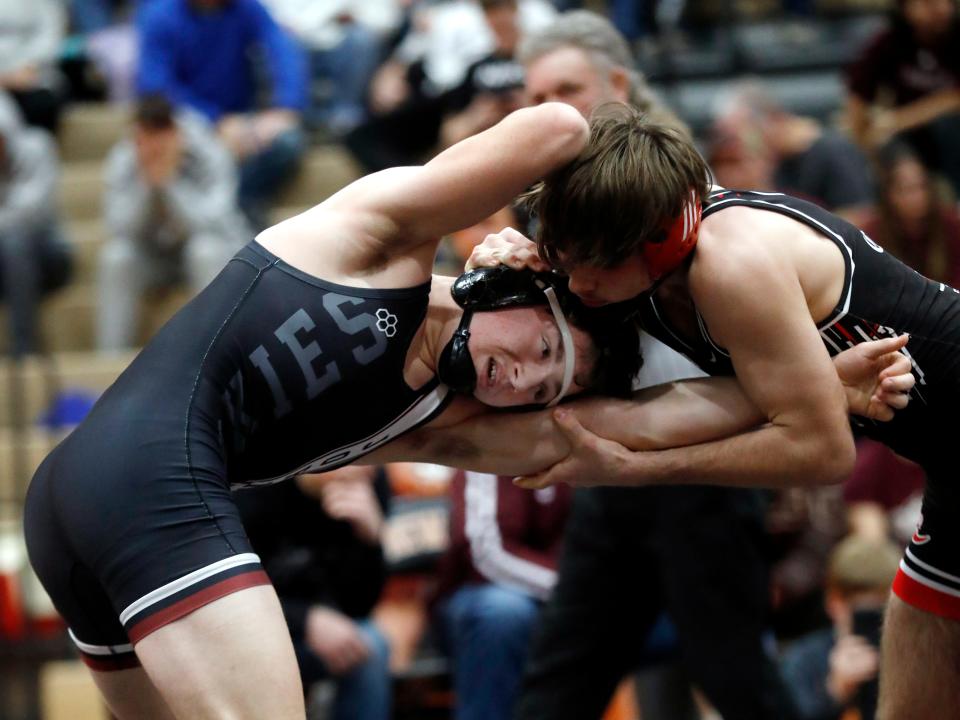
(898, 401)
(878, 348)
(481, 258)
(522, 259)
(568, 423)
(898, 383)
(533, 482)
(896, 365)
(884, 413)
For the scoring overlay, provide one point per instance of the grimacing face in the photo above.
(519, 356)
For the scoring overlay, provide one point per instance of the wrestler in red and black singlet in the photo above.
(881, 297)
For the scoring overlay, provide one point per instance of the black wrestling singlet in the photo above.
(881, 297)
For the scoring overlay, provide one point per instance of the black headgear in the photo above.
(497, 288)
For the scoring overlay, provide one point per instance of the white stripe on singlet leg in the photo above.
(99, 649)
(175, 586)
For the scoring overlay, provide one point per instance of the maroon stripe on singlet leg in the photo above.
(924, 597)
(110, 663)
(187, 605)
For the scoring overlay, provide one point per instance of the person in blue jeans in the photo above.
(496, 573)
(488, 629)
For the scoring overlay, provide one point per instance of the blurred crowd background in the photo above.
(143, 143)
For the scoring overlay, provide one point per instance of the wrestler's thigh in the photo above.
(230, 658)
(131, 696)
(920, 665)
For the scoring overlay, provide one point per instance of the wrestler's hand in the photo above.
(876, 377)
(592, 460)
(507, 247)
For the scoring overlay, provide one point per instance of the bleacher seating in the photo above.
(67, 318)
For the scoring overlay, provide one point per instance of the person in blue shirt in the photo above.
(216, 56)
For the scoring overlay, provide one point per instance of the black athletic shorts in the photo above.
(130, 523)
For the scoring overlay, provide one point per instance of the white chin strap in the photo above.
(569, 356)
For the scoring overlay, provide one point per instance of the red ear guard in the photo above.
(679, 238)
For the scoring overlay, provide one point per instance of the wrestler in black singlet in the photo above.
(267, 373)
(881, 297)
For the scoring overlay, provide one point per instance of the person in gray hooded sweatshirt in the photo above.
(171, 214)
(34, 258)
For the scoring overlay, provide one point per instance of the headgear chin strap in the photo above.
(496, 288)
(680, 237)
(569, 351)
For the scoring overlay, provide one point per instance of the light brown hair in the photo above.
(628, 183)
(858, 565)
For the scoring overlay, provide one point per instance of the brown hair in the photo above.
(154, 112)
(626, 185)
(930, 257)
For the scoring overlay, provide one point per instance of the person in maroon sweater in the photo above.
(906, 83)
(499, 568)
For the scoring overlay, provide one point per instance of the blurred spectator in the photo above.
(171, 211)
(493, 86)
(801, 526)
(345, 41)
(90, 16)
(209, 55)
(581, 60)
(455, 34)
(739, 157)
(500, 566)
(883, 493)
(31, 32)
(319, 541)
(698, 548)
(906, 83)
(34, 257)
(912, 220)
(809, 161)
(834, 669)
(110, 43)
(408, 94)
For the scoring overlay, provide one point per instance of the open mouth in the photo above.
(491, 373)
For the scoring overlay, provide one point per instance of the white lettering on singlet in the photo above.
(293, 334)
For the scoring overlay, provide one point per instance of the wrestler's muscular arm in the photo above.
(750, 295)
(665, 416)
(875, 376)
(394, 219)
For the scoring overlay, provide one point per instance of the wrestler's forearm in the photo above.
(768, 456)
(499, 443)
(523, 443)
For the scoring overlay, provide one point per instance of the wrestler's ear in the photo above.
(620, 82)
